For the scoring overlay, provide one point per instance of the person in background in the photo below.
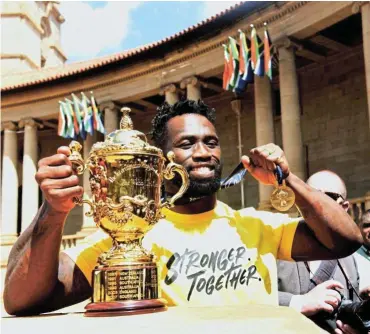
(303, 286)
(363, 256)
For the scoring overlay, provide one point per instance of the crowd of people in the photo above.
(311, 263)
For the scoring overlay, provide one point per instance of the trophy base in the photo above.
(126, 289)
(119, 308)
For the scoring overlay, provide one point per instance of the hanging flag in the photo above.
(267, 53)
(62, 122)
(90, 121)
(76, 126)
(70, 131)
(78, 116)
(257, 53)
(245, 68)
(234, 62)
(248, 74)
(226, 75)
(254, 47)
(88, 115)
(98, 124)
(86, 98)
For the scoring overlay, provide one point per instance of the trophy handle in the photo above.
(78, 163)
(79, 166)
(169, 173)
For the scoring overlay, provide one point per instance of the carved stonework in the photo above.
(356, 6)
(189, 81)
(171, 88)
(287, 43)
(9, 126)
(30, 122)
(111, 105)
(171, 93)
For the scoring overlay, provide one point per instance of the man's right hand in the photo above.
(321, 298)
(57, 180)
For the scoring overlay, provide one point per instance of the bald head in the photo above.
(328, 181)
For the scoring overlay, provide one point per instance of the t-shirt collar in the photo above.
(220, 210)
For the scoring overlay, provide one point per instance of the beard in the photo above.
(200, 187)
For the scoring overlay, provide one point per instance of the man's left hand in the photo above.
(344, 329)
(262, 162)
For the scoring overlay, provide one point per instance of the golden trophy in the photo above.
(126, 175)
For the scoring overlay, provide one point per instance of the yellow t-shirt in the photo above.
(219, 257)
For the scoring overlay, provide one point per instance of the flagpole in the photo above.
(236, 106)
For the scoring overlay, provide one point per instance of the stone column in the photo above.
(365, 14)
(88, 224)
(30, 188)
(290, 110)
(367, 201)
(170, 93)
(193, 88)
(264, 129)
(9, 196)
(111, 121)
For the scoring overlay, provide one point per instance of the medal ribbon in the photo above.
(235, 177)
(279, 175)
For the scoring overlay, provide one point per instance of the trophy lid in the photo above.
(125, 140)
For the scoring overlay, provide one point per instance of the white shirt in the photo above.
(314, 266)
(362, 257)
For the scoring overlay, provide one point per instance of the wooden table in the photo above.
(257, 319)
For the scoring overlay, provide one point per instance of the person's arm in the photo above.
(284, 298)
(327, 231)
(38, 278)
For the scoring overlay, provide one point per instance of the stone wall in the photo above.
(335, 123)
(29, 29)
(19, 37)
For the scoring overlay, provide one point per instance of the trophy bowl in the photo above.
(126, 175)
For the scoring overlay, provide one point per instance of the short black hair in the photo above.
(166, 111)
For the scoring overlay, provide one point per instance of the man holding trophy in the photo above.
(195, 250)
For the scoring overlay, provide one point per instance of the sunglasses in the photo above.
(334, 196)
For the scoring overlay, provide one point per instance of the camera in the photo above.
(354, 314)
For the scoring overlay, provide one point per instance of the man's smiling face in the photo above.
(194, 141)
(365, 229)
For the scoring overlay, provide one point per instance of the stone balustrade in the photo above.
(69, 241)
(358, 206)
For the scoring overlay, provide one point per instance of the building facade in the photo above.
(30, 37)
(317, 106)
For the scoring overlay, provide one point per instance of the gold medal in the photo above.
(282, 198)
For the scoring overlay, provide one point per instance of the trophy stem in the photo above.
(125, 253)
